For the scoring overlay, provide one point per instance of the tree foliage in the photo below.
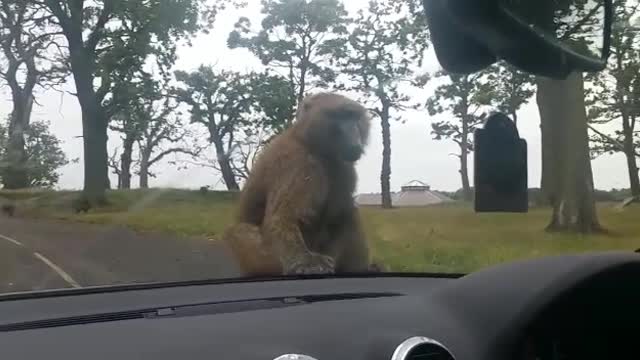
(298, 39)
(509, 88)
(44, 153)
(273, 103)
(614, 94)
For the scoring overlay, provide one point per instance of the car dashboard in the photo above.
(561, 307)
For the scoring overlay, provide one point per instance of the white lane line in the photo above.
(63, 274)
(16, 242)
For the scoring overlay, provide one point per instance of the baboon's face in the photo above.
(346, 134)
(334, 126)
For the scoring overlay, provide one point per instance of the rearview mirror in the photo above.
(577, 27)
(543, 37)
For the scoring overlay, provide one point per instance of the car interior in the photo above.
(549, 308)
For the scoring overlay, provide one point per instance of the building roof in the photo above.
(414, 193)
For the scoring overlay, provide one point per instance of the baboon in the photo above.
(8, 209)
(81, 204)
(204, 190)
(296, 213)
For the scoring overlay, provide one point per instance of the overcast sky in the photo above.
(414, 155)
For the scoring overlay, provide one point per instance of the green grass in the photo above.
(448, 238)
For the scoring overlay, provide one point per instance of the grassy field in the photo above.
(447, 238)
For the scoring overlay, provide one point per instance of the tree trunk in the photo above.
(292, 88)
(125, 162)
(225, 167)
(464, 161)
(385, 174)
(94, 127)
(464, 176)
(630, 154)
(94, 130)
(119, 179)
(546, 178)
(145, 156)
(567, 177)
(16, 174)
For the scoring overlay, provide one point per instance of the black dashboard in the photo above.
(562, 307)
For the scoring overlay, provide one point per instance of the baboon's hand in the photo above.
(376, 267)
(312, 263)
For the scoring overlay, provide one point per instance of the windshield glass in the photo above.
(196, 139)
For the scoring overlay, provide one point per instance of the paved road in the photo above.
(44, 254)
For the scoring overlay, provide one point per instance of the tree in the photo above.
(270, 111)
(272, 103)
(567, 177)
(615, 93)
(510, 89)
(115, 166)
(163, 134)
(43, 152)
(131, 129)
(222, 102)
(386, 46)
(464, 97)
(116, 35)
(297, 37)
(25, 41)
(133, 108)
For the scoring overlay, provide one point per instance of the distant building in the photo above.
(412, 194)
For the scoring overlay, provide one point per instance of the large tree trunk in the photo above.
(567, 176)
(94, 127)
(225, 167)
(464, 161)
(16, 174)
(546, 178)
(94, 130)
(125, 162)
(385, 174)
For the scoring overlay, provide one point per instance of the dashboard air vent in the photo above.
(421, 348)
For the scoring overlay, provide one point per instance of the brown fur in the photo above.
(296, 212)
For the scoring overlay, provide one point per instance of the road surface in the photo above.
(45, 254)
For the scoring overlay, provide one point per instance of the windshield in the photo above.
(192, 139)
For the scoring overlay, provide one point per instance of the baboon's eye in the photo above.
(342, 114)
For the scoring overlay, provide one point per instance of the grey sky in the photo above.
(414, 154)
